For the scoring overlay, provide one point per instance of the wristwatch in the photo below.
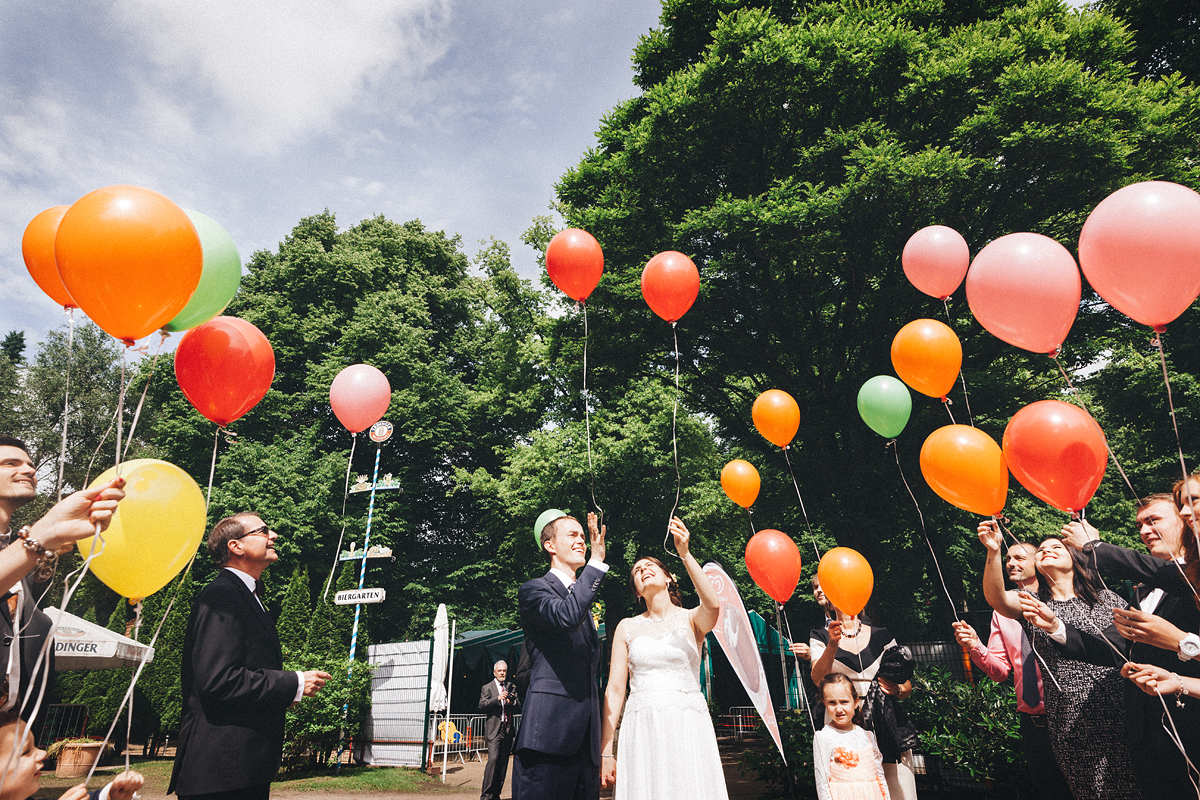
(1189, 647)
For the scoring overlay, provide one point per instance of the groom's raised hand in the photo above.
(597, 531)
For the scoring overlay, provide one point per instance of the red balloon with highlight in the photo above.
(774, 563)
(224, 367)
(575, 262)
(1057, 451)
(670, 284)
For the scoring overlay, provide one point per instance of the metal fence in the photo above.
(63, 721)
(467, 741)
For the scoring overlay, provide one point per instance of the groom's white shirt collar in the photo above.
(568, 579)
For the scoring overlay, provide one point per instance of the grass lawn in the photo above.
(366, 780)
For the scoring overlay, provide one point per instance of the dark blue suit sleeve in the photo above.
(543, 607)
(1109, 559)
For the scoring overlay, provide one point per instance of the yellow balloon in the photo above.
(155, 530)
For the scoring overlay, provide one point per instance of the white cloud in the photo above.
(261, 74)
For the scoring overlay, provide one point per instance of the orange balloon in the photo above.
(927, 356)
(130, 258)
(966, 468)
(846, 579)
(37, 247)
(740, 481)
(774, 563)
(776, 416)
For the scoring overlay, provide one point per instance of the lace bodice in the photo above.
(662, 655)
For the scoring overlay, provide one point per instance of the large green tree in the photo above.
(791, 150)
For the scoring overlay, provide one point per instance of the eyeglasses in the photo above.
(265, 530)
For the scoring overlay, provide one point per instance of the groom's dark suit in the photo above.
(558, 744)
(235, 693)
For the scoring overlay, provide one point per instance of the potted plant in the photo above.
(74, 757)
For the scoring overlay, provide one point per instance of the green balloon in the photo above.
(885, 405)
(219, 279)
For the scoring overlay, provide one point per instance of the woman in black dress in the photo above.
(1085, 706)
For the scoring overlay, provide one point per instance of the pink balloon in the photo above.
(935, 260)
(1025, 289)
(1140, 250)
(360, 395)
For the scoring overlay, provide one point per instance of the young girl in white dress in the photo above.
(846, 758)
(667, 747)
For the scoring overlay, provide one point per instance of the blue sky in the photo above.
(460, 113)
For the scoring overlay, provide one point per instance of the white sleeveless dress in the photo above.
(666, 746)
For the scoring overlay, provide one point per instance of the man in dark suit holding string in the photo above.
(235, 691)
(558, 745)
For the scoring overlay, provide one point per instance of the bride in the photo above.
(668, 748)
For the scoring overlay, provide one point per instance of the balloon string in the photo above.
(62, 452)
(41, 662)
(799, 682)
(674, 444)
(1162, 357)
(1079, 396)
(337, 552)
(946, 401)
(120, 413)
(587, 416)
(137, 414)
(961, 377)
(811, 536)
(896, 452)
(750, 520)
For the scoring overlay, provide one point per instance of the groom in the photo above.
(558, 745)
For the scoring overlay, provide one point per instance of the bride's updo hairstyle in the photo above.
(672, 583)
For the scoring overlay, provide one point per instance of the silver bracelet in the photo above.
(603, 756)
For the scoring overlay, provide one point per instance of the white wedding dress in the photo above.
(666, 746)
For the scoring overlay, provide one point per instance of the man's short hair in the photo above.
(496, 666)
(1159, 497)
(225, 532)
(12, 441)
(549, 531)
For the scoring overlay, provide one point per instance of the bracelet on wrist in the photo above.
(607, 755)
(46, 559)
(1181, 693)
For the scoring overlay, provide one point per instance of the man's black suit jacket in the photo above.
(489, 703)
(34, 629)
(562, 705)
(235, 693)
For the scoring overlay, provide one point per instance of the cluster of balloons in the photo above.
(1139, 249)
(575, 263)
(133, 261)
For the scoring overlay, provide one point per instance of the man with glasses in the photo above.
(235, 691)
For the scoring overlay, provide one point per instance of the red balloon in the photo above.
(37, 247)
(130, 257)
(575, 262)
(1140, 250)
(1025, 289)
(1057, 451)
(935, 259)
(774, 563)
(224, 367)
(670, 284)
(360, 396)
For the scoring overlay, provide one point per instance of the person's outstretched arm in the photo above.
(614, 702)
(1002, 601)
(704, 616)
